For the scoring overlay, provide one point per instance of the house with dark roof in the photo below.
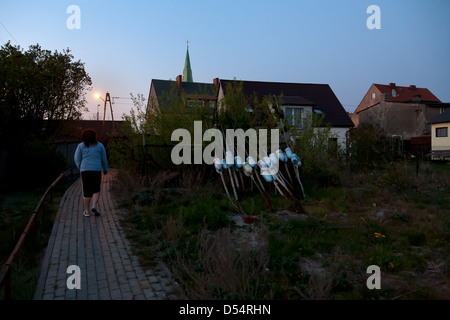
(296, 101)
(400, 111)
(191, 94)
(440, 139)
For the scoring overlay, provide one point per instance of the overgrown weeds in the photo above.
(219, 268)
(16, 209)
(396, 217)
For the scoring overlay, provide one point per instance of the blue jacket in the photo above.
(92, 158)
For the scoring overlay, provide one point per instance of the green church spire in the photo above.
(187, 72)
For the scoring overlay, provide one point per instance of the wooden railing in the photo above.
(5, 280)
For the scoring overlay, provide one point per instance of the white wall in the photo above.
(440, 143)
(341, 134)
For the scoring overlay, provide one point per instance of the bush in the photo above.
(368, 148)
(34, 164)
(321, 161)
(149, 132)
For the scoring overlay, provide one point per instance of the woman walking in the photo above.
(90, 159)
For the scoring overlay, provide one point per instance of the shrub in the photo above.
(34, 164)
(368, 148)
(320, 156)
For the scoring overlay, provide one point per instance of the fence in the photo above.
(5, 280)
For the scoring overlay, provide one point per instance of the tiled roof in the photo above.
(407, 94)
(319, 95)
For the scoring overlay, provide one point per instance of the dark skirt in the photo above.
(91, 181)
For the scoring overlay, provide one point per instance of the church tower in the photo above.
(187, 72)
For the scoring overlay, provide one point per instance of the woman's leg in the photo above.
(88, 191)
(95, 198)
(96, 185)
(87, 204)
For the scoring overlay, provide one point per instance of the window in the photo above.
(442, 132)
(394, 92)
(196, 103)
(374, 95)
(294, 116)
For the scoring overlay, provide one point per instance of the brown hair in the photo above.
(89, 136)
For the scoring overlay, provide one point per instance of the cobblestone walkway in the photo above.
(97, 245)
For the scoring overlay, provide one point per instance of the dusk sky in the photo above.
(126, 44)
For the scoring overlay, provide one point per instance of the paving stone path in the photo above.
(98, 246)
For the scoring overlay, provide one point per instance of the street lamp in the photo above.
(107, 99)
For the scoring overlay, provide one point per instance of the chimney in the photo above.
(179, 81)
(216, 82)
(392, 84)
(413, 86)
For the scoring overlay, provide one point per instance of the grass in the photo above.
(392, 217)
(16, 209)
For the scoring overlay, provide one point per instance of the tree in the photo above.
(242, 110)
(316, 145)
(36, 86)
(149, 133)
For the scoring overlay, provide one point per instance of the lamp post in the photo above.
(107, 99)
